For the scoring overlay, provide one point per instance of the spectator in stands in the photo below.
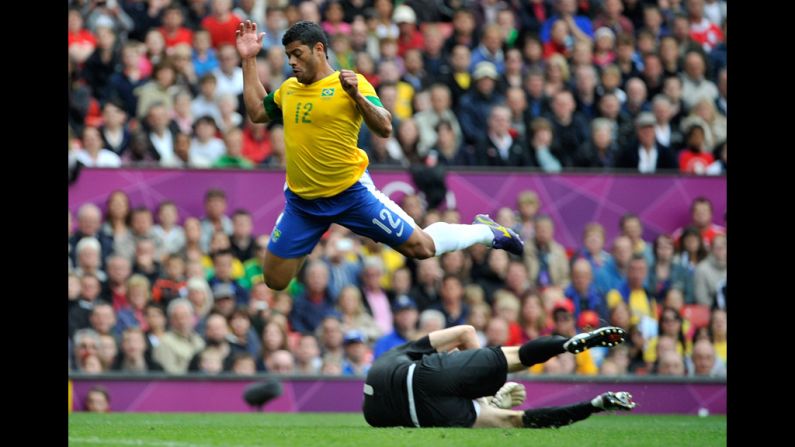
(344, 265)
(117, 224)
(133, 356)
(374, 297)
(451, 302)
(664, 131)
(405, 315)
(146, 262)
(601, 150)
(243, 364)
(172, 284)
(205, 102)
(221, 24)
(630, 225)
(215, 218)
(307, 355)
(695, 157)
(646, 155)
(633, 292)
(89, 258)
(583, 291)
(440, 111)
(691, 248)
(704, 361)
(694, 84)
(277, 159)
(156, 319)
(114, 131)
(179, 344)
(97, 400)
(229, 75)
(715, 131)
(670, 364)
(168, 230)
(354, 315)
(546, 260)
(81, 42)
(569, 128)
(670, 325)
(701, 218)
(89, 221)
(499, 147)
(356, 361)
(637, 95)
(475, 105)
(702, 30)
(665, 274)
(329, 333)
(138, 295)
(711, 272)
(315, 303)
(612, 18)
(172, 30)
(93, 153)
(161, 89)
(103, 320)
(566, 10)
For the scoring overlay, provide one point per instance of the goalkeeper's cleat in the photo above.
(608, 401)
(511, 394)
(607, 336)
(504, 238)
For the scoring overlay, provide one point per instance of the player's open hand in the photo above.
(247, 40)
(350, 83)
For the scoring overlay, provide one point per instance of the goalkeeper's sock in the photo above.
(451, 237)
(541, 349)
(557, 416)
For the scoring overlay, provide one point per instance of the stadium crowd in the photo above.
(150, 290)
(548, 85)
(611, 84)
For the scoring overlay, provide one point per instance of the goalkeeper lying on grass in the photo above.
(446, 379)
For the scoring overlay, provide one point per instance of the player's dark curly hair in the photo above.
(308, 33)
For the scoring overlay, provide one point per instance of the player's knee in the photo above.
(422, 251)
(276, 283)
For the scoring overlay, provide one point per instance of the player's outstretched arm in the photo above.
(378, 119)
(457, 337)
(248, 44)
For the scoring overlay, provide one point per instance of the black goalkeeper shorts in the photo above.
(445, 384)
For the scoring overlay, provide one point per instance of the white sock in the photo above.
(451, 237)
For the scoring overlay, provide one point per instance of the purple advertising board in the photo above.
(343, 395)
(572, 200)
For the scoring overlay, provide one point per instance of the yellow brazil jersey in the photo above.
(321, 129)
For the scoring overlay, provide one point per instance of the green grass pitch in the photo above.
(350, 429)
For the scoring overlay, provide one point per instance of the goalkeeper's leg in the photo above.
(541, 349)
(552, 417)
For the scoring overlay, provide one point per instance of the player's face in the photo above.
(303, 61)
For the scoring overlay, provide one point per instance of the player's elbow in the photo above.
(258, 116)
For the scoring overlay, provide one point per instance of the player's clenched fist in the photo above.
(350, 83)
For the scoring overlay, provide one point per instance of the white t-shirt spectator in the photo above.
(105, 159)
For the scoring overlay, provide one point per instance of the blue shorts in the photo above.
(360, 208)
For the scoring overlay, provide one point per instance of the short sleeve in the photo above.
(273, 103)
(367, 90)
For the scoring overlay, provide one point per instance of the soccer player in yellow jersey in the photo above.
(327, 179)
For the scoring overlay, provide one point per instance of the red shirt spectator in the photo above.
(706, 33)
(181, 35)
(221, 32)
(694, 162)
(256, 143)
